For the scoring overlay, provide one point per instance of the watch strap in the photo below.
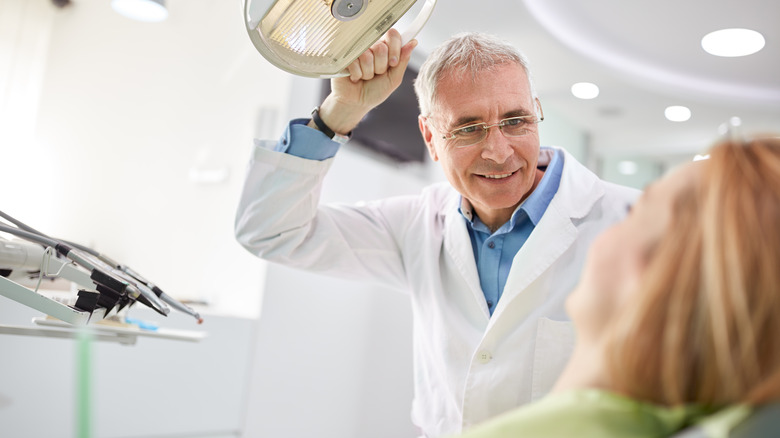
(325, 129)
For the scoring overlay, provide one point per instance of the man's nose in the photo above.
(496, 147)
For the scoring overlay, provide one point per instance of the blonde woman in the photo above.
(678, 309)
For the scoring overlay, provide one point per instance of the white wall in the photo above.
(557, 130)
(127, 111)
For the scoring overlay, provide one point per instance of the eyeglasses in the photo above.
(470, 135)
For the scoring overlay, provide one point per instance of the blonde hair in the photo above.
(705, 325)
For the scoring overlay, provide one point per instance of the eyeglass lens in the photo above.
(473, 134)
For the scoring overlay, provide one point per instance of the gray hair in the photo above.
(469, 53)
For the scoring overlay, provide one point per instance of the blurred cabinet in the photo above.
(155, 388)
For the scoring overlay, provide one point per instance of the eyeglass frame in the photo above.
(501, 123)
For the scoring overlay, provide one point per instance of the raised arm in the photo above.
(372, 78)
(279, 217)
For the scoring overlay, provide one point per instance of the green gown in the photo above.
(595, 413)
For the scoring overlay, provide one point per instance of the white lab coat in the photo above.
(468, 366)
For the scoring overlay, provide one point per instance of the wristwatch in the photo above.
(338, 138)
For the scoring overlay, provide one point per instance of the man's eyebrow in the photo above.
(520, 112)
(465, 120)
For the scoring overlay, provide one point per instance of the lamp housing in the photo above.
(320, 38)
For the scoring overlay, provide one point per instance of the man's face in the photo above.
(496, 174)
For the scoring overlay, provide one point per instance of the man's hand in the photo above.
(372, 78)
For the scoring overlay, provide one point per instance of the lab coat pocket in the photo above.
(554, 345)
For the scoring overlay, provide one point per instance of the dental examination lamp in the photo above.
(321, 38)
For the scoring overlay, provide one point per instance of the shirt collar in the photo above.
(536, 204)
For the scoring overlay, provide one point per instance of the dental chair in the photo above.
(764, 422)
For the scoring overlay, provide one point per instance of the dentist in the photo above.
(487, 259)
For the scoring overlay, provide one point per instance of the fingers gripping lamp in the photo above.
(320, 38)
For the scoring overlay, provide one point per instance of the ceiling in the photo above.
(643, 55)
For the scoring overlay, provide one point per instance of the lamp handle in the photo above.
(414, 28)
(419, 22)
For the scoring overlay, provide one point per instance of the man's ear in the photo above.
(427, 135)
(539, 112)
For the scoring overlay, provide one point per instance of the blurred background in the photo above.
(132, 137)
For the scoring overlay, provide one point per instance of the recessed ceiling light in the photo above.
(585, 90)
(733, 42)
(141, 10)
(733, 123)
(676, 113)
(628, 167)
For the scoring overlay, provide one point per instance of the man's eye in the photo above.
(468, 130)
(515, 121)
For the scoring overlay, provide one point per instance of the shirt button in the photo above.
(484, 356)
(491, 245)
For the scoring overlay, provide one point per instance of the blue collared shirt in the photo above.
(492, 252)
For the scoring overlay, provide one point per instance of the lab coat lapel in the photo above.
(550, 239)
(578, 191)
(457, 243)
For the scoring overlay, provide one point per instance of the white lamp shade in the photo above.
(320, 38)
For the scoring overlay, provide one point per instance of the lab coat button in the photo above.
(484, 356)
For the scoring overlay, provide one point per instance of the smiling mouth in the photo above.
(498, 176)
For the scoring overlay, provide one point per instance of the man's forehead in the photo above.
(500, 92)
